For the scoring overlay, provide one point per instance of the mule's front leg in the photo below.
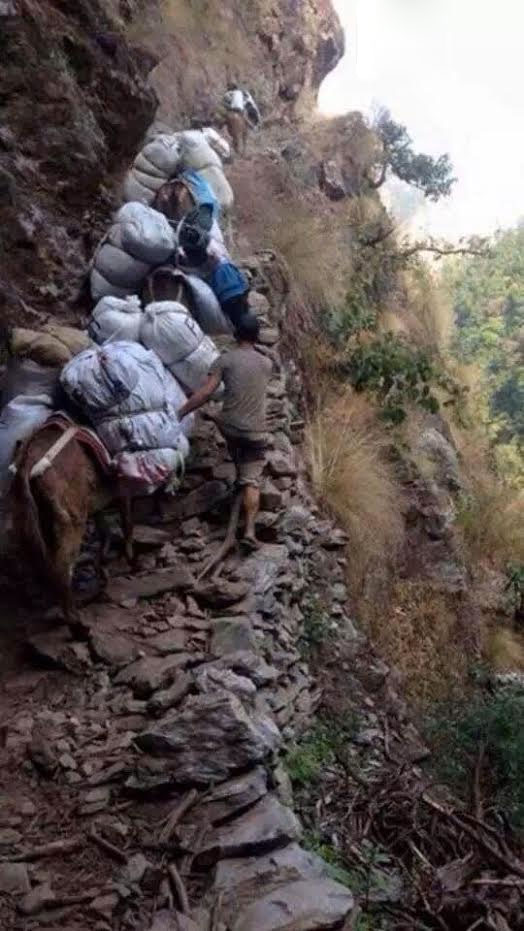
(126, 514)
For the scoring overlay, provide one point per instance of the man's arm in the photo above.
(199, 398)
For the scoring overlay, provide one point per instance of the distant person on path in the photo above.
(241, 113)
(245, 373)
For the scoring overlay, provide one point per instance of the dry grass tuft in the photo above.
(492, 520)
(505, 650)
(418, 635)
(427, 315)
(349, 468)
(274, 213)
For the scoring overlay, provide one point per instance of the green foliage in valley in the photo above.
(483, 741)
(488, 300)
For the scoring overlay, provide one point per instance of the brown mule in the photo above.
(51, 504)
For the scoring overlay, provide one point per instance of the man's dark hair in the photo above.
(247, 329)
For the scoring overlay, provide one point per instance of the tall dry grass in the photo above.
(314, 251)
(491, 511)
(347, 452)
(426, 313)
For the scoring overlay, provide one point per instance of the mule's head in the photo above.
(174, 200)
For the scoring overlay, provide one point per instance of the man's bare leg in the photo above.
(251, 508)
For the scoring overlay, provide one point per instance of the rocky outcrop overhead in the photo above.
(75, 103)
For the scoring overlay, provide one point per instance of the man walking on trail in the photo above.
(245, 373)
(241, 112)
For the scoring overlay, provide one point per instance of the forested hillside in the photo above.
(487, 296)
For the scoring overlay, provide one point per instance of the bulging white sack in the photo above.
(162, 154)
(116, 318)
(101, 287)
(217, 142)
(196, 152)
(23, 377)
(132, 400)
(192, 371)
(170, 331)
(18, 420)
(179, 341)
(142, 431)
(205, 307)
(140, 187)
(134, 191)
(145, 233)
(219, 184)
(119, 269)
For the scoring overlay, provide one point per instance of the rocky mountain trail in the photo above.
(168, 689)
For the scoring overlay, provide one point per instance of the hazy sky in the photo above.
(453, 72)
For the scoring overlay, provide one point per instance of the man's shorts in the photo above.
(249, 457)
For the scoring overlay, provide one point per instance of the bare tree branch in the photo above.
(442, 250)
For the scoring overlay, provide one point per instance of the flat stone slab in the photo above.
(123, 589)
(245, 877)
(199, 501)
(220, 593)
(14, 879)
(231, 797)
(171, 641)
(210, 738)
(208, 679)
(309, 905)
(150, 673)
(248, 664)
(168, 698)
(167, 920)
(113, 649)
(265, 826)
(230, 635)
(58, 649)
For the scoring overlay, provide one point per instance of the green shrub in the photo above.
(322, 746)
(488, 728)
(316, 627)
(396, 372)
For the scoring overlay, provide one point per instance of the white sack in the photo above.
(177, 338)
(119, 268)
(170, 331)
(196, 152)
(154, 467)
(145, 233)
(219, 184)
(192, 371)
(116, 318)
(120, 377)
(163, 154)
(205, 307)
(101, 287)
(134, 191)
(132, 400)
(217, 142)
(18, 420)
(23, 377)
(143, 165)
(139, 432)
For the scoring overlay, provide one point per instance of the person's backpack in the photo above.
(195, 228)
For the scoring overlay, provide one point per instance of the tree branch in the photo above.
(379, 237)
(442, 250)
